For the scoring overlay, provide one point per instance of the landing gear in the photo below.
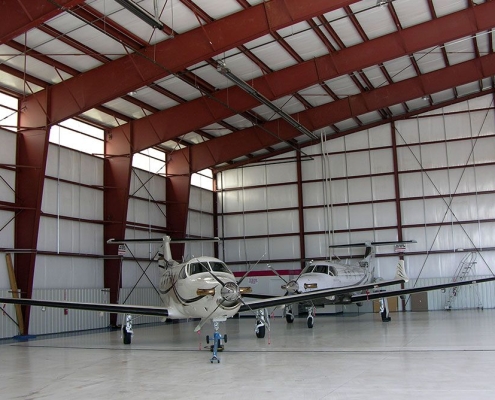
(384, 312)
(311, 316)
(289, 316)
(261, 323)
(127, 330)
(217, 342)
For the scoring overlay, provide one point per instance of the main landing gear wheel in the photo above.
(260, 332)
(289, 318)
(310, 321)
(126, 336)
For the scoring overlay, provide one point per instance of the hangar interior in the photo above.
(280, 126)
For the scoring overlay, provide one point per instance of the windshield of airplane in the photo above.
(320, 269)
(215, 266)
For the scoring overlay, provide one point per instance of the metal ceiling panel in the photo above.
(347, 124)
(400, 69)
(370, 117)
(241, 66)
(306, 43)
(344, 27)
(469, 88)
(442, 96)
(127, 108)
(15, 84)
(102, 118)
(430, 59)
(154, 98)
(213, 77)
(375, 76)
(238, 122)
(460, 50)
(258, 42)
(171, 145)
(397, 109)
(376, 21)
(325, 32)
(417, 104)
(295, 29)
(179, 87)
(483, 42)
(274, 55)
(315, 95)
(219, 8)
(193, 137)
(412, 12)
(288, 104)
(38, 69)
(444, 7)
(216, 130)
(343, 86)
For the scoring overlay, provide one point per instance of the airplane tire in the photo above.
(289, 318)
(225, 338)
(207, 339)
(260, 333)
(126, 337)
(311, 322)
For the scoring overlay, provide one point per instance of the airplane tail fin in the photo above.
(401, 272)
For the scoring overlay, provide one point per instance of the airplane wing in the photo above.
(400, 292)
(314, 294)
(112, 308)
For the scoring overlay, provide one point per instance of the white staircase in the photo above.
(466, 266)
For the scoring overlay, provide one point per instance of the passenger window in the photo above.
(321, 269)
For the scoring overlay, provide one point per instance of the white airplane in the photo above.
(205, 288)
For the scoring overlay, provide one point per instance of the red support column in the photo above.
(178, 189)
(117, 176)
(32, 151)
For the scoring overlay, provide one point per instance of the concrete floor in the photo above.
(440, 355)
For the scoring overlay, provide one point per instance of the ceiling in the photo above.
(320, 67)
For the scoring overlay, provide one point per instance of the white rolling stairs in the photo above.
(466, 266)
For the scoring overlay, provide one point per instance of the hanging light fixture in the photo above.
(141, 13)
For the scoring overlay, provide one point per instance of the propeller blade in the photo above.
(249, 269)
(204, 320)
(276, 273)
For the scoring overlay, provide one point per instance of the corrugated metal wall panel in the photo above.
(8, 328)
(55, 320)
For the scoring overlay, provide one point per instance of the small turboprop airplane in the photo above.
(204, 287)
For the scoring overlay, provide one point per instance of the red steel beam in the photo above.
(249, 140)
(117, 169)
(32, 150)
(19, 16)
(105, 83)
(178, 120)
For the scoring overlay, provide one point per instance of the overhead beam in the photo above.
(154, 62)
(195, 114)
(20, 16)
(225, 148)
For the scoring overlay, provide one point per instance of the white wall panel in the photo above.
(70, 236)
(457, 126)
(231, 225)
(53, 272)
(146, 185)
(361, 216)
(407, 132)
(338, 191)
(436, 182)
(254, 176)
(255, 199)
(413, 212)
(358, 163)
(466, 236)
(460, 153)
(484, 177)
(232, 201)
(314, 220)
(317, 246)
(312, 194)
(200, 224)
(145, 212)
(133, 273)
(384, 214)
(142, 297)
(74, 166)
(311, 169)
(284, 247)
(431, 129)
(340, 218)
(408, 158)
(255, 224)
(282, 196)
(436, 210)
(484, 150)
(357, 141)
(483, 122)
(360, 189)
(141, 250)
(380, 136)
(383, 187)
(411, 184)
(8, 148)
(433, 155)
(281, 173)
(283, 222)
(487, 235)
(65, 199)
(334, 145)
(7, 184)
(7, 233)
(197, 249)
(337, 167)
(243, 250)
(230, 179)
(201, 199)
(381, 161)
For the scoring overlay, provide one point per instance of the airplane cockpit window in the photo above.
(196, 268)
(321, 269)
(332, 271)
(217, 266)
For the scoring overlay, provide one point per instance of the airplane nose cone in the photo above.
(291, 287)
(230, 292)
